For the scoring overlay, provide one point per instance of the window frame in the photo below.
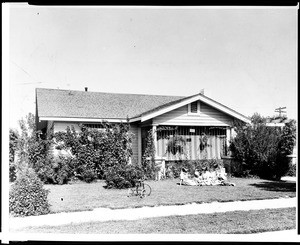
(190, 107)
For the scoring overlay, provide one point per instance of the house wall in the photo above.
(208, 117)
(135, 153)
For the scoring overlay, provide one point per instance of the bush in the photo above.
(58, 170)
(27, 195)
(263, 149)
(96, 151)
(292, 170)
(12, 172)
(121, 177)
(13, 146)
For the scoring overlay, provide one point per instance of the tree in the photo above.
(262, 149)
(13, 147)
(26, 139)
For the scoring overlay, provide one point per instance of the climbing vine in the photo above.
(148, 161)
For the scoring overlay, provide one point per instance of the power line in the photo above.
(280, 110)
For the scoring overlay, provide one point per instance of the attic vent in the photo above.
(194, 107)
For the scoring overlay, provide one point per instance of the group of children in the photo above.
(206, 177)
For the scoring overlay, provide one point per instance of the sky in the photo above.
(245, 58)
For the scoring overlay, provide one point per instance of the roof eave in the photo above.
(191, 99)
(81, 119)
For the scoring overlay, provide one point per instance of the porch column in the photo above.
(139, 136)
(154, 137)
(228, 137)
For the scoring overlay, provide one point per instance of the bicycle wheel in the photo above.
(146, 190)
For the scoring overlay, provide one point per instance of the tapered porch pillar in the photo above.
(228, 137)
(139, 135)
(154, 134)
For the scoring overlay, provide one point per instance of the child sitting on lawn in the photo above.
(185, 178)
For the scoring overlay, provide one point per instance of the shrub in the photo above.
(96, 151)
(27, 195)
(58, 170)
(263, 149)
(292, 170)
(121, 177)
(63, 169)
(12, 172)
(13, 146)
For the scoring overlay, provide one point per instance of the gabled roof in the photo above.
(80, 105)
(187, 100)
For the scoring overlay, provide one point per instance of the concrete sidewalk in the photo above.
(106, 214)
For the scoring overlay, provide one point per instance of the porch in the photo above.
(174, 143)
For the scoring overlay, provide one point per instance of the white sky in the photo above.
(246, 58)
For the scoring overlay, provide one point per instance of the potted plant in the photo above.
(176, 145)
(203, 141)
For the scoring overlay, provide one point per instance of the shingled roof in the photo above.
(82, 104)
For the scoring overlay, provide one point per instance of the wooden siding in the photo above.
(208, 116)
(134, 131)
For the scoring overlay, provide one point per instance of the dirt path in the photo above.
(105, 214)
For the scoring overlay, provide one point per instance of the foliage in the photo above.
(96, 151)
(292, 170)
(27, 195)
(13, 147)
(58, 170)
(27, 138)
(263, 150)
(148, 161)
(13, 144)
(176, 144)
(120, 177)
(203, 141)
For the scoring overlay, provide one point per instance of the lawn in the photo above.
(238, 222)
(80, 196)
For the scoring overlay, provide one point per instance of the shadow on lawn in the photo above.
(276, 186)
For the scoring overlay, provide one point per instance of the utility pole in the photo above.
(280, 110)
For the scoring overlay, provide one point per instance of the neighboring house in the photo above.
(191, 118)
(277, 122)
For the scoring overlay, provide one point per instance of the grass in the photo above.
(238, 222)
(81, 196)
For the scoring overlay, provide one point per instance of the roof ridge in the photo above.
(80, 91)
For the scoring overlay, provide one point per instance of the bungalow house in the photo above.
(192, 120)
